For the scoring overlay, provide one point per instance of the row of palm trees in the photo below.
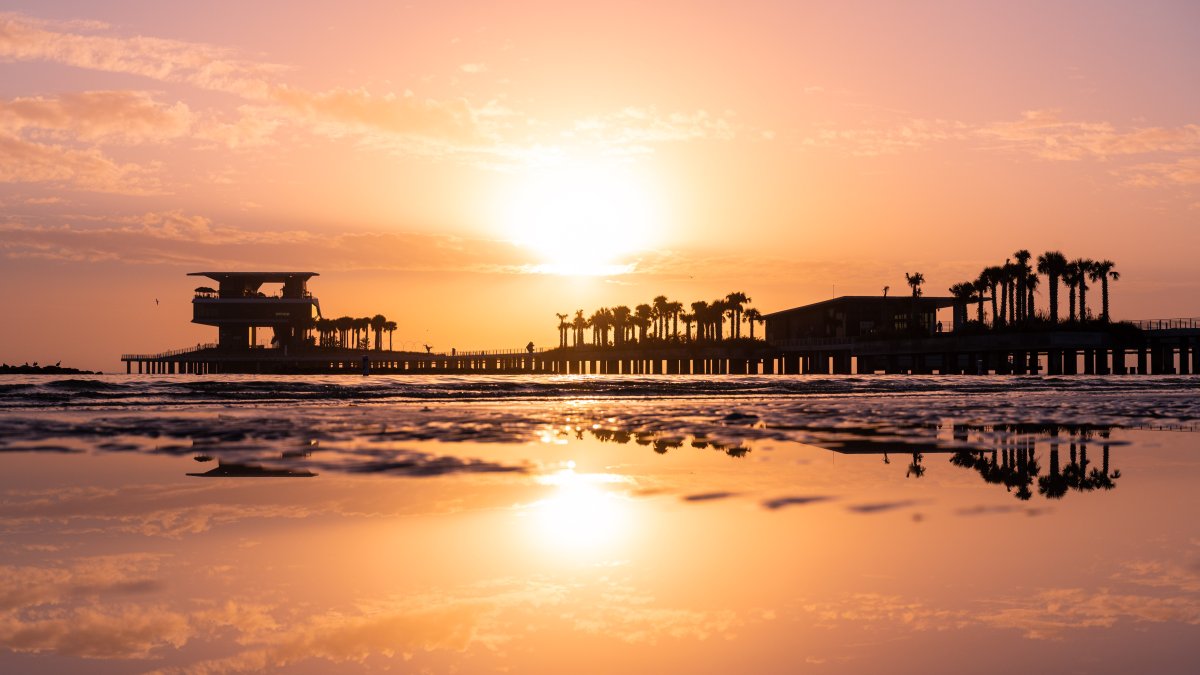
(1012, 285)
(659, 320)
(353, 333)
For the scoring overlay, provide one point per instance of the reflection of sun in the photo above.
(581, 516)
(583, 220)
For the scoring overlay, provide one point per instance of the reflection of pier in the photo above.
(1012, 461)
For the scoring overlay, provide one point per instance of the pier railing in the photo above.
(493, 352)
(1167, 324)
(163, 355)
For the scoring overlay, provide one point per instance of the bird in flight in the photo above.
(156, 302)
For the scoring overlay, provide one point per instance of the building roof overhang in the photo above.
(260, 277)
(924, 301)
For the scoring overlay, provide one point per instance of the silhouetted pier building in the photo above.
(238, 307)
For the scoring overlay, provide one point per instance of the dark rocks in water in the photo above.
(6, 369)
(234, 470)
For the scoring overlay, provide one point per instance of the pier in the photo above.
(840, 336)
(1167, 347)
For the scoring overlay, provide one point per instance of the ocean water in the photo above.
(599, 524)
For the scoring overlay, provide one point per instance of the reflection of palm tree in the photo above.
(915, 468)
(1054, 485)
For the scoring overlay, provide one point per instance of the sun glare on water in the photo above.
(585, 221)
(581, 517)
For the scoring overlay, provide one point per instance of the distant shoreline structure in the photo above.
(35, 369)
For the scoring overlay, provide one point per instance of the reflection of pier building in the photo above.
(238, 306)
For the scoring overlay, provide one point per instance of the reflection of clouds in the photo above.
(1045, 614)
(42, 610)
(150, 510)
(1050, 613)
(486, 616)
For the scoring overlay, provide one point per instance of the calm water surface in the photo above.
(597, 525)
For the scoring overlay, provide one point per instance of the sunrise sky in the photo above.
(469, 169)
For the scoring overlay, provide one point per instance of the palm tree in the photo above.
(1084, 266)
(1102, 271)
(390, 327)
(700, 314)
(734, 303)
(718, 307)
(659, 314)
(753, 315)
(562, 329)
(674, 308)
(1071, 275)
(1031, 283)
(963, 291)
(579, 324)
(620, 319)
(1022, 273)
(377, 323)
(364, 332)
(344, 325)
(1053, 264)
(993, 275)
(981, 287)
(644, 315)
(687, 319)
(915, 280)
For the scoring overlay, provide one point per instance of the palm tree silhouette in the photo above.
(734, 302)
(644, 316)
(674, 308)
(717, 309)
(915, 280)
(981, 288)
(965, 292)
(1022, 271)
(1102, 271)
(659, 314)
(700, 314)
(993, 275)
(687, 320)
(562, 329)
(1084, 270)
(1031, 283)
(579, 324)
(1071, 276)
(1053, 264)
(390, 327)
(753, 315)
(377, 323)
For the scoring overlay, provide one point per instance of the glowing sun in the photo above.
(583, 220)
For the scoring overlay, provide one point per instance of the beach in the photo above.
(551, 524)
